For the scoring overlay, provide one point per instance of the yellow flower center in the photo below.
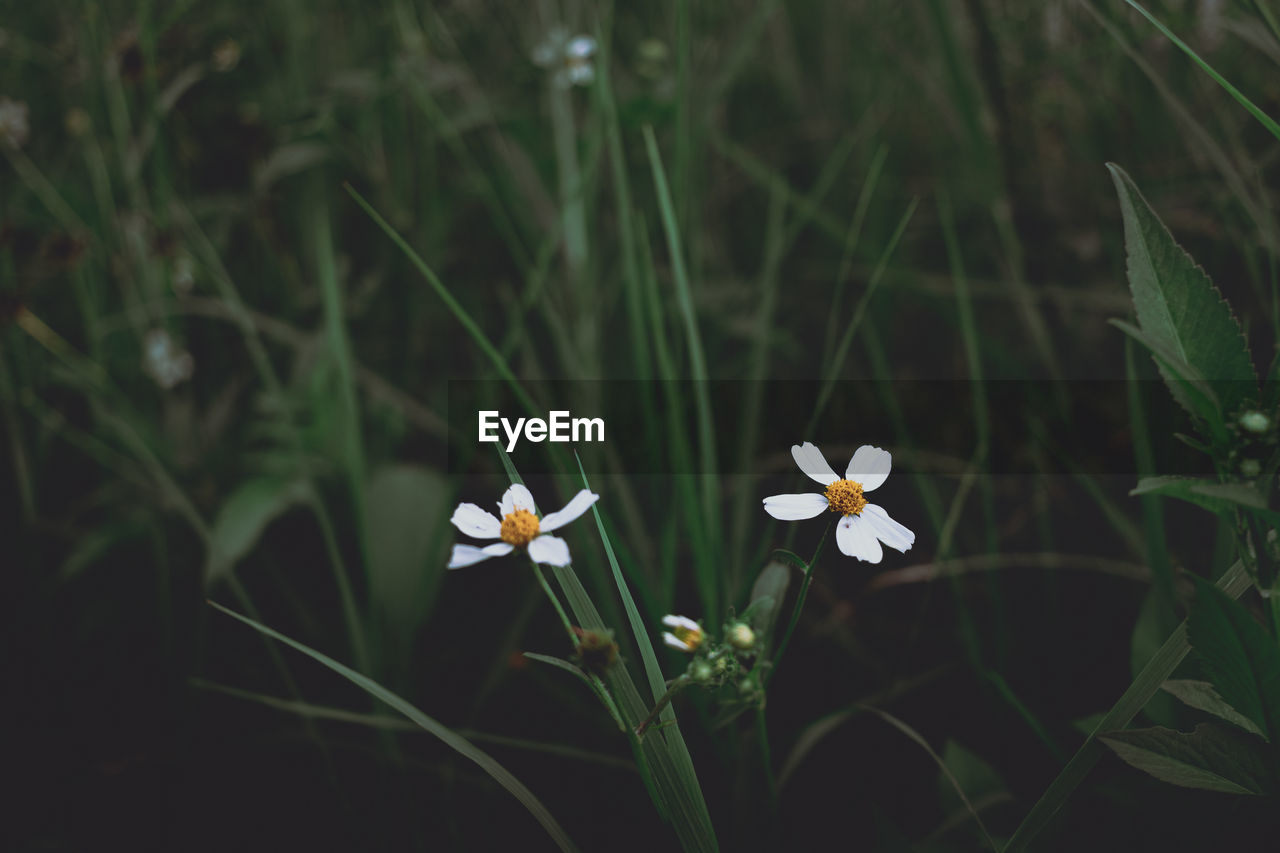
(519, 528)
(843, 496)
(691, 637)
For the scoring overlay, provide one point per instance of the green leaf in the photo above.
(1192, 391)
(767, 596)
(1209, 494)
(1179, 309)
(1201, 696)
(1241, 658)
(1211, 758)
(451, 739)
(1234, 582)
(1271, 386)
(245, 515)
(404, 505)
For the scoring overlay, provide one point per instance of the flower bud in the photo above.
(1250, 467)
(1255, 422)
(700, 671)
(741, 637)
(597, 650)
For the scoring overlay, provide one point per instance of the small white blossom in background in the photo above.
(685, 634)
(568, 58)
(226, 56)
(14, 124)
(520, 527)
(863, 525)
(164, 361)
(183, 276)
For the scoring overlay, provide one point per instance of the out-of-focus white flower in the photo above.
(567, 57)
(226, 55)
(183, 276)
(864, 525)
(685, 634)
(165, 361)
(14, 123)
(520, 527)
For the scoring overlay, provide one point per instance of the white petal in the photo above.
(468, 555)
(517, 497)
(795, 507)
(580, 503)
(886, 529)
(675, 642)
(855, 537)
(580, 47)
(813, 463)
(869, 466)
(474, 521)
(681, 622)
(551, 550)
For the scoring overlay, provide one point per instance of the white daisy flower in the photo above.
(864, 525)
(685, 634)
(570, 57)
(520, 527)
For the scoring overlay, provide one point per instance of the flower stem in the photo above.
(564, 618)
(795, 613)
(676, 686)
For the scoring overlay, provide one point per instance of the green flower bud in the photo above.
(700, 671)
(1255, 422)
(1250, 467)
(741, 637)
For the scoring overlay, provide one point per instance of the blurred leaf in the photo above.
(1241, 658)
(406, 508)
(767, 596)
(1179, 309)
(451, 739)
(978, 779)
(1201, 696)
(1216, 497)
(95, 544)
(1271, 386)
(245, 515)
(289, 159)
(1211, 758)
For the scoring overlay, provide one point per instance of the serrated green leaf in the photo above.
(245, 515)
(1201, 696)
(1178, 307)
(1192, 391)
(1241, 658)
(450, 738)
(1211, 758)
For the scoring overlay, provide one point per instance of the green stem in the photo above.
(564, 617)
(795, 613)
(676, 686)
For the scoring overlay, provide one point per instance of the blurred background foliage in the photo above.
(221, 378)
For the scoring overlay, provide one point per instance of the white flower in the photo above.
(864, 525)
(569, 57)
(520, 527)
(14, 124)
(685, 634)
(164, 361)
